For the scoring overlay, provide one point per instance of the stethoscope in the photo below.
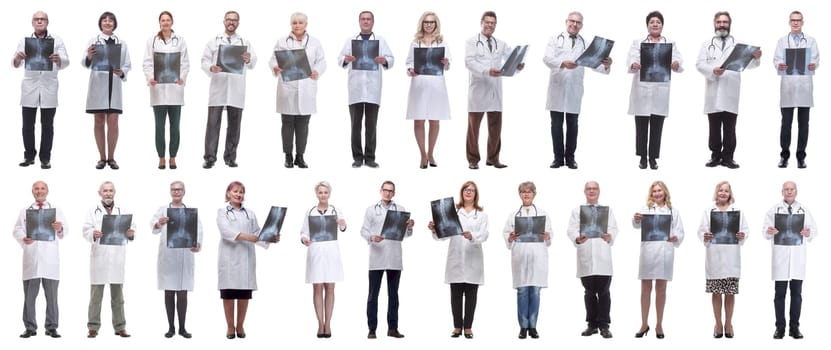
(101, 41)
(662, 40)
(433, 44)
(359, 37)
(519, 211)
(711, 49)
(475, 212)
(230, 41)
(230, 209)
(797, 210)
(99, 210)
(482, 43)
(46, 35)
(46, 205)
(171, 205)
(379, 208)
(561, 39)
(173, 37)
(290, 40)
(802, 39)
(322, 213)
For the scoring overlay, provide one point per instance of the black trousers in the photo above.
(47, 132)
(648, 130)
(466, 291)
(295, 125)
(781, 288)
(722, 139)
(802, 115)
(393, 279)
(357, 112)
(564, 149)
(598, 300)
(232, 133)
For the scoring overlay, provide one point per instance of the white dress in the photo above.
(323, 262)
(657, 257)
(428, 99)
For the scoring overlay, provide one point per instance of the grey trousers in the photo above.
(295, 125)
(96, 294)
(31, 288)
(232, 133)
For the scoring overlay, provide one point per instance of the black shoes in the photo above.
(45, 164)
(653, 164)
(589, 331)
(208, 164)
(571, 164)
(231, 163)
(642, 163)
(497, 165)
(532, 332)
(355, 164)
(27, 162)
(372, 163)
(605, 333)
(289, 161)
(713, 162)
(779, 333)
(556, 164)
(800, 163)
(101, 164)
(783, 162)
(52, 333)
(170, 333)
(394, 333)
(729, 163)
(523, 333)
(473, 166)
(456, 334)
(371, 335)
(795, 333)
(29, 333)
(113, 164)
(642, 333)
(298, 160)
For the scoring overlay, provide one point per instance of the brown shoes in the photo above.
(394, 333)
(122, 333)
(92, 334)
(371, 335)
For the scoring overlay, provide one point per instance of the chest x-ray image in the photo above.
(395, 225)
(529, 228)
(39, 224)
(323, 228)
(365, 52)
(37, 52)
(655, 227)
(790, 229)
(107, 57)
(656, 62)
(724, 225)
(166, 67)
(294, 63)
(229, 58)
(182, 227)
(114, 229)
(427, 60)
(594, 220)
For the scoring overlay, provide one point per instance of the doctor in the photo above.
(721, 91)
(795, 90)
(594, 264)
(106, 265)
(227, 92)
(565, 87)
(529, 261)
(174, 271)
(297, 99)
(39, 89)
(364, 88)
(41, 265)
(788, 261)
(484, 55)
(723, 262)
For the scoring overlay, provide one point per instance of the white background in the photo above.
(281, 312)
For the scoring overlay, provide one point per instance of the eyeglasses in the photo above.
(429, 22)
(796, 20)
(387, 190)
(38, 19)
(470, 190)
(235, 20)
(177, 189)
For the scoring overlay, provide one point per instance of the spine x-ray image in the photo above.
(594, 220)
(790, 229)
(37, 52)
(724, 225)
(182, 227)
(395, 225)
(114, 229)
(656, 62)
(445, 217)
(365, 52)
(323, 228)
(39, 224)
(529, 228)
(655, 227)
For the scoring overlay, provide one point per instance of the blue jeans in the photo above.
(528, 306)
(393, 278)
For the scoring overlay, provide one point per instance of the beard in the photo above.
(107, 201)
(723, 33)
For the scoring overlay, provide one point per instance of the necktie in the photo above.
(573, 37)
(490, 47)
(40, 206)
(229, 39)
(790, 210)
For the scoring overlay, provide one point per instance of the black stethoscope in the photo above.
(711, 49)
(230, 209)
(662, 40)
(169, 42)
(101, 41)
(322, 213)
(802, 39)
(797, 210)
(379, 208)
(99, 210)
(219, 39)
(360, 36)
(290, 40)
(46, 35)
(561, 39)
(519, 211)
(482, 43)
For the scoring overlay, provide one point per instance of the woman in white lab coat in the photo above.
(175, 268)
(166, 96)
(649, 101)
(657, 257)
(723, 261)
(529, 260)
(237, 278)
(104, 100)
(297, 99)
(465, 268)
(323, 262)
(427, 99)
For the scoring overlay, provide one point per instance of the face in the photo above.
(107, 25)
(658, 194)
(592, 192)
(527, 197)
(107, 193)
(298, 27)
(231, 23)
(796, 23)
(177, 192)
(366, 22)
(722, 25)
(723, 195)
(789, 192)
(165, 22)
(322, 194)
(428, 25)
(236, 195)
(40, 191)
(655, 26)
(387, 192)
(469, 194)
(39, 21)
(574, 23)
(488, 26)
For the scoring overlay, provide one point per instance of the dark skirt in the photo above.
(104, 111)
(235, 293)
(727, 286)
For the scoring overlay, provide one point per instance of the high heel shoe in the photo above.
(423, 165)
(716, 333)
(728, 334)
(659, 335)
(161, 166)
(642, 333)
(231, 335)
(172, 163)
(432, 162)
(455, 334)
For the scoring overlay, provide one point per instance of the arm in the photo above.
(159, 220)
(743, 229)
(676, 233)
(677, 61)
(810, 226)
(633, 58)
(252, 56)
(573, 230)
(208, 57)
(480, 232)
(552, 59)
(62, 60)
(548, 231)
(508, 232)
(184, 64)
(472, 63)
(345, 57)
(305, 237)
(90, 229)
(611, 229)
(769, 227)
(19, 231)
(447, 58)
(386, 53)
(779, 55)
(318, 62)
(367, 225)
(147, 63)
(704, 233)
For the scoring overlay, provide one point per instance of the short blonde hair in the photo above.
(729, 189)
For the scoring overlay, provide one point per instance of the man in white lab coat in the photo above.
(41, 263)
(788, 261)
(106, 263)
(796, 89)
(721, 91)
(365, 90)
(39, 89)
(594, 262)
(227, 92)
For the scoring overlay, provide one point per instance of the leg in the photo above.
(372, 299)
(117, 304)
(432, 137)
(212, 133)
(729, 305)
(590, 300)
(471, 291)
(456, 292)
(96, 294)
(232, 133)
(656, 126)
(604, 302)
(714, 139)
(522, 303)
(47, 133)
(571, 136)
(175, 115)
(641, 135)
(717, 301)
(418, 131)
(317, 301)
(474, 121)
(242, 310)
(50, 290)
(160, 117)
(169, 307)
(29, 117)
(785, 132)
(393, 279)
(557, 139)
(301, 129)
(803, 116)
(31, 288)
(533, 306)
(494, 136)
(112, 134)
(796, 303)
(356, 115)
(329, 306)
(370, 127)
(287, 132)
(646, 295)
(660, 302)
(729, 124)
(228, 308)
(182, 309)
(100, 121)
(781, 290)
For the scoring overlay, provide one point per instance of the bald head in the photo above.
(592, 192)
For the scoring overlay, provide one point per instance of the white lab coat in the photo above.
(722, 260)
(40, 88)
(529, 261)
(166, 94)
(428, 98)
(365, 85)
(465, 258)
(796, 90)
(485, 92)
(647, 98)
(788, 262)
(323, 261)
(721, 93)
(175, 267)
(565, 86)
(299, 97)
(594, 256)
(237, 260)
(98, 91)
(657, 258)
(227, 89)
(106, 262)
(386, 254)
(41, 259)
